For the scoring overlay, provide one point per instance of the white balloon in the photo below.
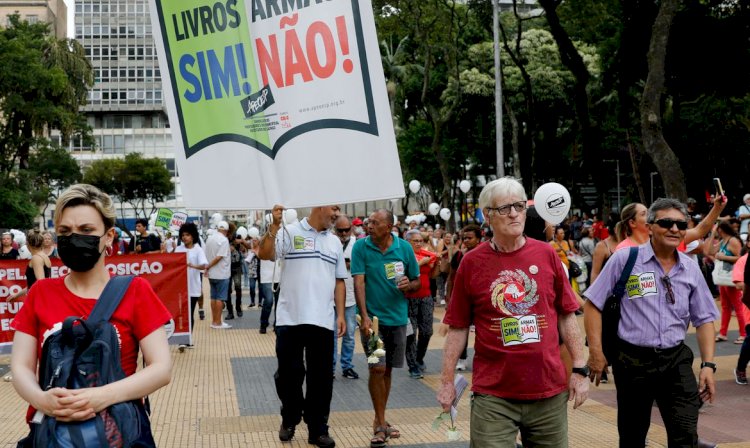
(290, 216)
(464, 185)
(242, 231)
(434, 208)
(414, 186)
(445, 214)
(216, 217)
(437, 226)
(552, 202)
(253, 232)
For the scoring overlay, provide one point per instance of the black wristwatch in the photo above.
(708, 364)
(583, 371)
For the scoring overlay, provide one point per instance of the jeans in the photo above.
(347, 341)
(304, 354)
(268, 298)
(252, 281)
(236, 281)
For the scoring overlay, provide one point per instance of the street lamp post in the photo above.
(652, 185)
(617, 161)
(500, 162)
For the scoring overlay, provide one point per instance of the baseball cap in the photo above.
(222, 225)
(357, 222)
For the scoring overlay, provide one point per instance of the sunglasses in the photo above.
(519, 206)
(670, 293)
(667, 223)
(344, 230)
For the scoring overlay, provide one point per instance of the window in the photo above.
(32, 18)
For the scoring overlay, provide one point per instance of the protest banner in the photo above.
(276, 102)
(167, 274)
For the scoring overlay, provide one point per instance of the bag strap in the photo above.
(620, 286)
(110, 298)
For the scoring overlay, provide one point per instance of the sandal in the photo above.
(739, 340)
(392, 432)
(380, 437)
(720, 338)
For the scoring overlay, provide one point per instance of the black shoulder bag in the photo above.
(611, 310)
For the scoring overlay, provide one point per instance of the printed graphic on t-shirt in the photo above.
(513, 293)
(520, 330)
(394, 269)
(640, 285)
(302, 243)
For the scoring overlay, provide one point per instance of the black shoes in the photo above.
(239, 312)
(286, 434)
(202, 314)
(324, 441)
(350, 373)
(229, 317)
(263, 330)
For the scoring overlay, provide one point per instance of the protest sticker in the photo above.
(163, 218)
(284, 99)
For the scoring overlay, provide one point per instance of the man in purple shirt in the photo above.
(664, 294)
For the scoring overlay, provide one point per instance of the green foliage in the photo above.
(134, 179)
(52, 169)
(15, 202)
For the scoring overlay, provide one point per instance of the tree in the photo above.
(43, 82)
(51, 170)
(134, 180)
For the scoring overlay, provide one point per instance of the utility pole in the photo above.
(500, 169)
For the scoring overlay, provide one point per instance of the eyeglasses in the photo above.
(519, 206)
(347, 229)
(670, 293)
(667, 223)
(416, 241)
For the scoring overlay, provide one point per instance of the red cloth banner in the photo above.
(167, 274)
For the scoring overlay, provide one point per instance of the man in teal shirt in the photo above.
(384, 268)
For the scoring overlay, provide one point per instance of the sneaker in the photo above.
(740, 377)
(461, 365)
(263, 330)
(350, 373)
(202, 314)
(604, 378)
(442, 302)
(422, 366)
(416, 374)
(229, 317)
(223, 326)
(286, 434)
(323, 441)
(182, 347)
(705, 444)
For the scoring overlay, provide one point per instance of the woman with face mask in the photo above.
(84, 223)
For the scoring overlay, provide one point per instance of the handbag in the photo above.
(611, 310)
(722, 273)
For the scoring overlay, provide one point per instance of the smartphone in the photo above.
(717, 185)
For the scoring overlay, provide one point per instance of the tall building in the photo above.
(53, 12)
(125, 107)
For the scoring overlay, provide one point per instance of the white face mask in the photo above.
(357, 230)
(395, 234)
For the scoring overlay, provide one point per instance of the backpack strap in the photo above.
(620, 286)
(110, 298)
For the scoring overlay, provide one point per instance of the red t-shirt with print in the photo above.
(49, 302)
(424, 274)
(513, 299)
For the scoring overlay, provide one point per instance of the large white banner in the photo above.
(276, 101)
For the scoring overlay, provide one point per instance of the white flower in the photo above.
(453, 434)
(379, 353)
(373, 359)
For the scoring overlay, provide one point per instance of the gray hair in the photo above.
(665, 204)
(388, 215)
(411, 233)
(505, 186)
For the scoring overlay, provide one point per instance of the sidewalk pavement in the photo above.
(222, 394)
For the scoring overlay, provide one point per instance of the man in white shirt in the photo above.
(314, 273)
(218, 272)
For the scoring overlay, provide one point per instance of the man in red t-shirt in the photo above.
(421, 306)
(514, 291)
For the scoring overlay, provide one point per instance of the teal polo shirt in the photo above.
(383, 298)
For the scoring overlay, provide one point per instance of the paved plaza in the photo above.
(222, 394)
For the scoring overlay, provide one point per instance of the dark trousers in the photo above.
(305, 353)
(420, 315)
(252, 281)
(644, 375)
(744, 357)
(236, 281)
(193, 303)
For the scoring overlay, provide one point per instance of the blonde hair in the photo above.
(85, 194)
(35, 239)
(622, 229)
